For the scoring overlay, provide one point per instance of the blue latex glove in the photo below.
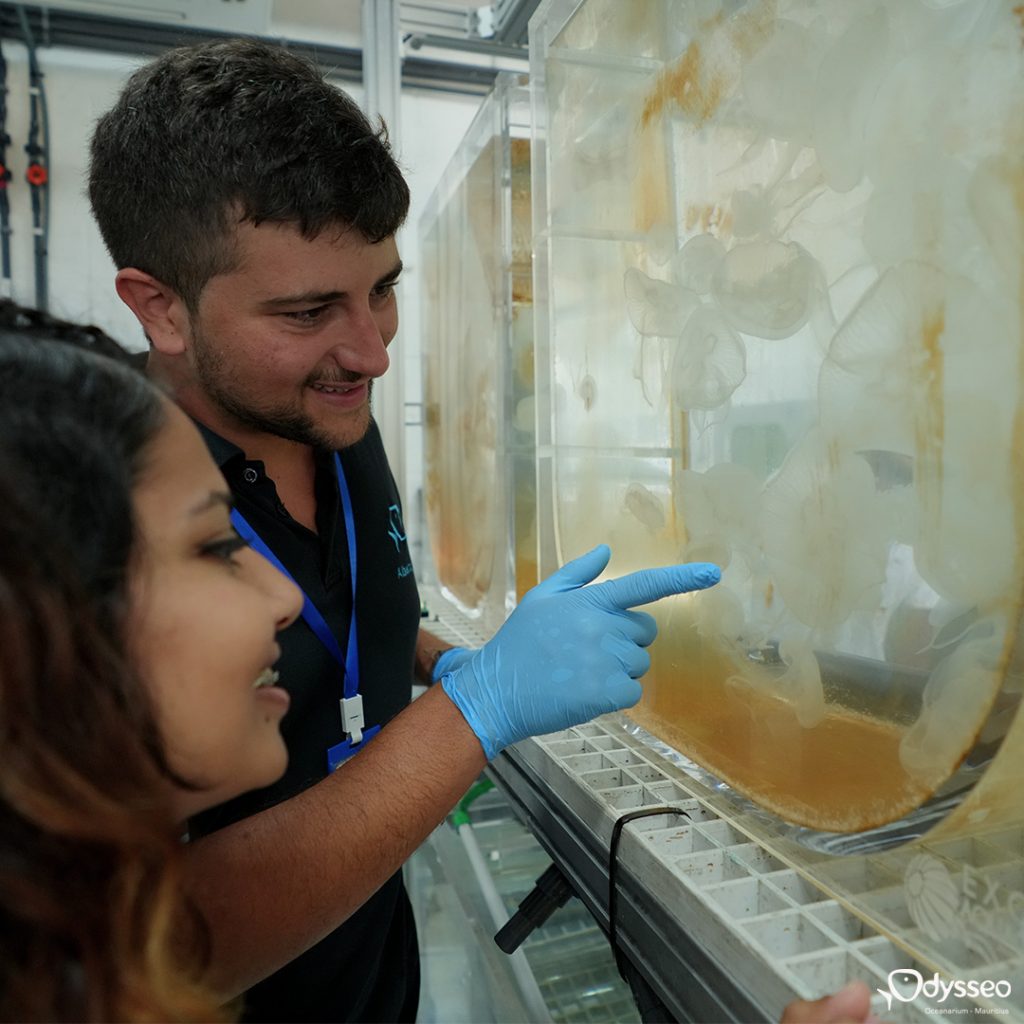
(450, 660)
(568, 653)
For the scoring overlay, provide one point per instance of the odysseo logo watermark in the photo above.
(906, 984)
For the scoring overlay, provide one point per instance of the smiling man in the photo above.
(251, 209)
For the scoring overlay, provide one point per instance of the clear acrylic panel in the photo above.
(779, 292)
(478, 345)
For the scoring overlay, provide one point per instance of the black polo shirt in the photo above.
(367, 970)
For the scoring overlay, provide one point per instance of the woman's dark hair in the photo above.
(207, 137)
(76, 428)
(22, 320)
(93, 922)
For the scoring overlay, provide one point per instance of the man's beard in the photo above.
(292, 424)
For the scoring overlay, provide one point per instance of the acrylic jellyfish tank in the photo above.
(478, 373)
(780, 285)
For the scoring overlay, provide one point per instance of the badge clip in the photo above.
(342, 751)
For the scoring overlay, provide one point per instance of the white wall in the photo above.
(80, 86)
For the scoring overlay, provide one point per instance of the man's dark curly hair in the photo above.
(207, 137)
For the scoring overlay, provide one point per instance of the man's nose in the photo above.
(363, 349)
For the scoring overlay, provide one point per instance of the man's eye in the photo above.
(383, 291)
(307, 316)
(224, 548)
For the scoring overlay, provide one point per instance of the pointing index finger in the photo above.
(653, 584)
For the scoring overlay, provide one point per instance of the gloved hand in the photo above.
(568, 652)
(450, 660)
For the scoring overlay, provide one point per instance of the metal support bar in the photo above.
(512, 19)
(419, 39)
(432, 17)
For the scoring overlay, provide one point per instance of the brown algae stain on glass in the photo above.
(710, 218)
(651, 186)
(931, 335)
(522, 226)
(753, 27)
(698, 85)
(694, 89)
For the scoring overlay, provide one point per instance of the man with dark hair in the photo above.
(251, 209)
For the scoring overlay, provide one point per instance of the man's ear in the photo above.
(159, 309)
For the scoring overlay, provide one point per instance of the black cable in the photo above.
(37, 173)
(613, 874)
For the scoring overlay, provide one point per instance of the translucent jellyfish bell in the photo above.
(823, 534)
(719, 614)
(878, 356)
(695, 264)
(844, 90)
(646, 507)
(751, 213)
(778, 81)
(709, 363)
(955, 702)
(720, 508)
(656, 307)
(766, 288)
(801, 683)
(660, 243)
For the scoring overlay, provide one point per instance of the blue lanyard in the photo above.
(316, 622)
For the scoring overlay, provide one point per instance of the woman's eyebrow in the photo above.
(212, 500)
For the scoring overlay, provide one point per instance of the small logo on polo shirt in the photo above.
(396, 528)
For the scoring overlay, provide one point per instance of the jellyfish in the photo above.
(751, 213)
(587, 391)
(709, 363)
(916, 99)
(878, 361)
(994, 199)
(969, 506)
(646, 507)
(766, 288)
(823, 534)
(920, 212)
(844, 90)
(956, 699)
(525, 413)
(696, 262)
(778, 81)
(720, 511)
(660, 243)
(656, 307)
(800, 684)
(719, 615)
